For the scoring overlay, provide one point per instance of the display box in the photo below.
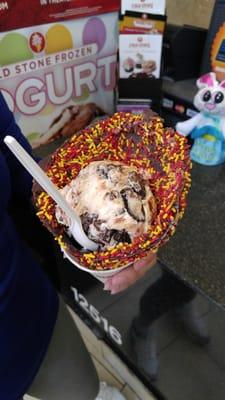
(141, 28)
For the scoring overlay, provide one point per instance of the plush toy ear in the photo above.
(222, 84)
(207, 80)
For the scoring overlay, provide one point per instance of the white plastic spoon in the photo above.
(39, 175)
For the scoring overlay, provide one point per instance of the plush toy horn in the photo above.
(207, 80)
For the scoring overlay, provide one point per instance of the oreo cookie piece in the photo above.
(132, 204)
(109, 171)
(137, 184)
(93, 228)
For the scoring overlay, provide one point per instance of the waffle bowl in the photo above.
(137, 140)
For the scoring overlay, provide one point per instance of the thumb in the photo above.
(145, 263)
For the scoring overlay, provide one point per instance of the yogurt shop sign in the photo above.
(49, 72)
(33, 92)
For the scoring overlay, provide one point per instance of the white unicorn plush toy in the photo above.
(207, 128)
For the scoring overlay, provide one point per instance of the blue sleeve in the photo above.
(20, 178)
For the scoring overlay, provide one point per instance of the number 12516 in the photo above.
(96, 316)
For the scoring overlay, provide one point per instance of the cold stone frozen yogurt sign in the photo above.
(50, 67)
(33, 93)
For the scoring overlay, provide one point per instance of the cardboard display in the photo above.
(16, 14)
(57, 72)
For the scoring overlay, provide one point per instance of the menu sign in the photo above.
(57, 76)
(140, 56)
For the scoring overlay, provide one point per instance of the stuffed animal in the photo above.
(207, 128)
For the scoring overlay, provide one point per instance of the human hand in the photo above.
(129, 275)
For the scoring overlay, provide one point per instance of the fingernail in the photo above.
(118, 288)
(114, 291)
(107, 286)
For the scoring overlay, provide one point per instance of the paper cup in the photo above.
(100, 275)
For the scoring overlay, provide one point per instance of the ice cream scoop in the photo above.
(113, 201)
(38, 174)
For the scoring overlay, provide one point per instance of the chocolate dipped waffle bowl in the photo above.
(148, 201)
